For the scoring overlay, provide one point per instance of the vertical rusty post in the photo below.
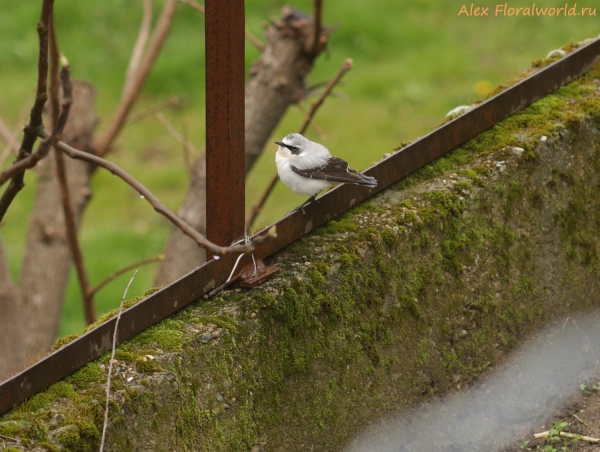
(225, 183)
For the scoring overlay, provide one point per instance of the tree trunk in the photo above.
(45, 271)
(276, 81)
(12, 334)
(181, 250)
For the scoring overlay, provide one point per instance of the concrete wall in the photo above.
(407, 297)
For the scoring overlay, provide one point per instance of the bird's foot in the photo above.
(305, 203)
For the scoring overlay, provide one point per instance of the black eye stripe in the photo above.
(293, 148)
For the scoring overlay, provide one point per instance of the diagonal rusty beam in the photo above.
(436, 143)
(225, 157)
(202, 280)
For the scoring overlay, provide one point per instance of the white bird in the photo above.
(307, 168)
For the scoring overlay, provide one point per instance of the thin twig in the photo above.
(110, 364)
(11, 142)
(138, 49)
(54, 71)
(193, 4)
(579, 419)
(257, 208)
(307, 120)
(158, 206)
(175, 134)
(589, 439)
(119, 272)
(249, 36)
(76, 252)
(315, 43)
(173, 101)
(35, 122)
(318, 129)
(255, 41)
(348, 64)
(30, 161)
(156, 42)
(61, 171)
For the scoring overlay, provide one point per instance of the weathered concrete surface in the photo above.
(405, 298)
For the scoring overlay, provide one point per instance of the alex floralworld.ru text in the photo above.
(505, 10)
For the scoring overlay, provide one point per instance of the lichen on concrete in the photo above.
(407, 297)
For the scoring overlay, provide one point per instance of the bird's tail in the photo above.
(367, 181)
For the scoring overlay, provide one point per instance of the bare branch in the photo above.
(138, 50)
(11, 142)
(315, 43)
(32, 159)
(35, 121)
(193, 4)
(249, 36)
(61, 171)
(41, 96)
(315, 106)
(257, 208)
(318, 129)
(313, 110)
(172, 102)
(156, 42)
(255, 41)
(125, 269)
(158, 206)
(189, 147)
(589, 439)
(21, 165)
(54, 71)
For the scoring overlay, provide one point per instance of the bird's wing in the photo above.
(336, 170)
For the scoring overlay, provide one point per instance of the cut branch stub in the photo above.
(277, 79)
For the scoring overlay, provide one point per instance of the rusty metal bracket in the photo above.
(192, 286)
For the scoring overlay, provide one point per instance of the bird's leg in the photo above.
(308, 201)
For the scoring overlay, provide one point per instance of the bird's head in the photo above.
(294, 143)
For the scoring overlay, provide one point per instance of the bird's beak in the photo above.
(293, 149)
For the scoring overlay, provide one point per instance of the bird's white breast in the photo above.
(300, 184)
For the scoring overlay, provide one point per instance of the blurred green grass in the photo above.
(414, 61)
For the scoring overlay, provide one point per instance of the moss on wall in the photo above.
(406, 297)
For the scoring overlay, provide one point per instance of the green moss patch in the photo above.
(401, 299)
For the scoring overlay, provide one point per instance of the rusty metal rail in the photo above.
(159, 305)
